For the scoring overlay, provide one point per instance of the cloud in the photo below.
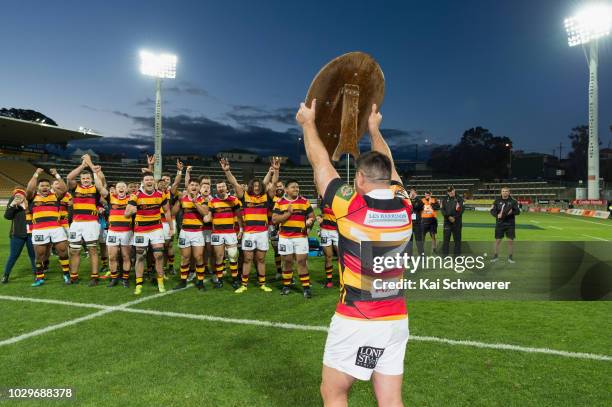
(245, 115)
(187, 88)
(184, 133)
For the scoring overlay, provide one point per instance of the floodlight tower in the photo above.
(160, 66)
(586, 28)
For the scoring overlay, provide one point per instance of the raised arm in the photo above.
(177, 179)
(378, 142)
(187, 176)
(324, 171)
(225, 166)
(61, 189)
(71, 178)
(32, 183)
(176, 208)
(271, 185)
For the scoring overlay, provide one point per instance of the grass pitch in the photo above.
(170, 351)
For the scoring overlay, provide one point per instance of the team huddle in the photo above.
(130, 226)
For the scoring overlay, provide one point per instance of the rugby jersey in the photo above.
(207, 226)
(295, 225)
(85, 204)
(117, 222)
(169, 197)
(192, 219)
(379, 216)
(63, 209)
(28, 217)
(45, 211)
(148, 210)
(255, 212)
(223, 213)
(329, 219)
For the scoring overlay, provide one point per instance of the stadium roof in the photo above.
(18, 132)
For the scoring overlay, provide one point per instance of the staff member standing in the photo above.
(417, 228)
(452, 211)
(504, 209)
(429, 219)
(21, 232)
(368, 334)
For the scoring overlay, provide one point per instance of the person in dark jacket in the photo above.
(417, 227)
(452, 211)
(20, 233)
(504, 209)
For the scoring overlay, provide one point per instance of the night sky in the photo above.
(244, 67)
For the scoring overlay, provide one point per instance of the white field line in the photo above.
(555, 227)
(584, 220)
(270, 324)
(104, 309)
(595, 237)
(534, 221)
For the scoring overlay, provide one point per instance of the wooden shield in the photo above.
(345, 90)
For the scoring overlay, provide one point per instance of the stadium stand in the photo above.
(529, 189)
(438, 186)
(15, 173)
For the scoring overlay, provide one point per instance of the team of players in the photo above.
(134, 227)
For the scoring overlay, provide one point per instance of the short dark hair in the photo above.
(147, 174)
(166, 174)
(85, 172)
(202, 178)
(43, 180)
(291, 181)
(450, 188)
(374, 166)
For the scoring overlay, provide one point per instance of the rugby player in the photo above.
(147, 204)
(279, 191)
(85, 226)
(191, 238)
(119, 236)
(368, 335)
(46, 228)
(505, 209)
(255, 203)
(328, 232)
(224, 207)
(295, 216)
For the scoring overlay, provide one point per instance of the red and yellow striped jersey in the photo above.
(207, 225)
(364, 221)
(255, 212)
(148, 210)
(295, 225)
(45, 211)
(168, 196)
(65, 203)
(28, 219)
(192, 219)
(223, 213)
(329, 219)
(85, 204)
(117, 222)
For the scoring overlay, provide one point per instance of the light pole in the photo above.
(509, 147)
(161, 66)
(585, 28)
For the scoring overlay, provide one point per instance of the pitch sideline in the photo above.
(105, 309)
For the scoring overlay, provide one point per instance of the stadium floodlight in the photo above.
(159, 66)
(586, 28)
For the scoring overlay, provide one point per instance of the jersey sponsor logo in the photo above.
(39, 238)
(367, 356)
(346, 191)
(139, 239)
(72, 235)
(182, 241)
(248, 243)
(215, 238)
(392, 219)
(112, 239)
(282, 248)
